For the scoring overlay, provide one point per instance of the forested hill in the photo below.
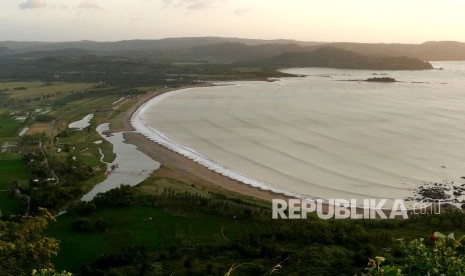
(432, 50)
(239, 47)
(338, 58)
(166, 44)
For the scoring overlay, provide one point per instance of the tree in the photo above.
(82, 225)
(101, 225)
(50, 272)
(23, 247)
(441, 255)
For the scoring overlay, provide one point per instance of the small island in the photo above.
(382, 79)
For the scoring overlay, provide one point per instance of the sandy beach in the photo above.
(318, 136)
(184, 166)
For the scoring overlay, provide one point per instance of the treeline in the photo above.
(216, 62)
(88, 94)
(55, 180)
(185, 202)
(300, 247)
(122, 71)
(338, 58)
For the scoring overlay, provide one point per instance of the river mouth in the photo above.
(323, 135)
(130, 167)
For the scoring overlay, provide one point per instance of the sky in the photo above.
(393, 21)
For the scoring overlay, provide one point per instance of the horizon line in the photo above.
(224, 37)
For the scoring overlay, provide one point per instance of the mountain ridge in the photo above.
(427, 51)
(333, 57)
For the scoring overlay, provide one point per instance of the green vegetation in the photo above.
(63, 163)
(12, 170)
(23, 247)
(173, 223)
(190, 234)
(44, 90)
(197, 49)
(338, 58)
(129, 227)
(12, 166)
(8, 126)
(440, 255)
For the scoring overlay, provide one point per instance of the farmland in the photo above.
(39, 111)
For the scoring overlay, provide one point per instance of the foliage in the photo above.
(12, 170)
(49, 193)
(375, 268)
(44, 118)
(83, 208)
(82, 225)
(197, 235)
(50, 272)
(442, 255)
(338, 58)
(23, 247)
(101, 225)
(124, 71)
(121, 196)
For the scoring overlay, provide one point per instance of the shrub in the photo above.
(82, 225)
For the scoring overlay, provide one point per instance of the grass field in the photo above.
(39, 89)
(76, 110)
(131, 226)
(12, 167)
(11, 170)
(8, 126)
(9, 204)
(86, 149)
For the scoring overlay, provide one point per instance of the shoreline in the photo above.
(184, 160)
(179, 162)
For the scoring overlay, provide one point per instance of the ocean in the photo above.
(324, 134)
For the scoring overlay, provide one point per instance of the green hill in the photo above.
(338, 58)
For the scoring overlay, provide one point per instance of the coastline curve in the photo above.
(162, 139)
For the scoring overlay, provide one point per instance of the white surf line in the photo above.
(162, 139)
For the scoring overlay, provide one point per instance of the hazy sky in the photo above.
(406, 21)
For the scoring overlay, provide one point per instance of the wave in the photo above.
(162, 139)
(157, 136)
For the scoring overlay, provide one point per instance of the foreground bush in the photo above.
(440, 255)
(23, 246)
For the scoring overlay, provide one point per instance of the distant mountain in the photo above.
(430, 51)
(167, 44)
(444, 50)
(238, 51)
(338, 58)
(240, 48)
(70, 52)
(18, 45)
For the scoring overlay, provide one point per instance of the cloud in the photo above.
(194, 4)
(88, 4)
(32, 4)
